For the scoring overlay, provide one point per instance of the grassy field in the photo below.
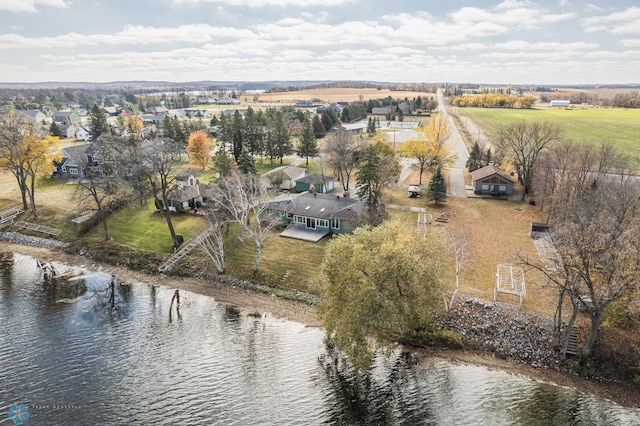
(618, 126)
(329, 95)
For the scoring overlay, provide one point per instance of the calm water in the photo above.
(73, 360)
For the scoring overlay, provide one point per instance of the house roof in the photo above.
(487, 171)
(290, 172)
(315, 205)
(185, 193)
(315, 179)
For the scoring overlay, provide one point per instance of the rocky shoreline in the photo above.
(30, 240)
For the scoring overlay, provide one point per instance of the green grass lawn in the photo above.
(147, 229)
(618, 126)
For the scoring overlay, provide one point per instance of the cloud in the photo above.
(268, 3)
(625, 22)
(31, 6)
(630, 42)
(509, 14)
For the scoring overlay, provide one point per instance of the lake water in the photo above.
(112, 355)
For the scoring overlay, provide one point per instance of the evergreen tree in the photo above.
(97, 123)
(222, 163)
(246, 163)
(55, 130)
(437, 190)
(318, 128)
(308, 145)
(237, 129)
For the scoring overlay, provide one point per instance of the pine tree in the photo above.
(246, 163)
(55, 130)
(308, 147)
(97, 123)
(318, 128)
(437, 190)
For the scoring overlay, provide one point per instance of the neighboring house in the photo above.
(32, 115)
(150, 118)
(83, 134)
(357, 127)
(66, 117)
(490, 180)
(304, 104)
(315, 182)
(313, 215)
(284, 177)
(73, 159)
(381, 110)
(231, 112)
(71, 131)
(157, 110)
(187, 195)
(405, 107)
(227, 101)
(205, 100)
(321, 109)
(337, 108)
(110, 111)
(197, 112)
(560, 103)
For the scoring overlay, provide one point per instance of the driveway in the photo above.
(456, 144)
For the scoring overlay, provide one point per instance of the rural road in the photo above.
(456, 172)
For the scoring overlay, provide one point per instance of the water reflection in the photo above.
(117, 353)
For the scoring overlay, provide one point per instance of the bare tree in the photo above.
(154, 162)
(212, 243)
(343, 154)
(103, 179)
(525, 141)
(459, 242)
(597, 250)
(242, 197)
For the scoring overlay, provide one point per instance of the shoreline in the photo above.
(248, 300)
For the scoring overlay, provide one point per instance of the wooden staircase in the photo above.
(572, 344)
(7, 216)
(186, 249)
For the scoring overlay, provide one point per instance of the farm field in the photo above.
(328, 95)
(618, 126)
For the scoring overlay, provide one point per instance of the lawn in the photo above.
(147, 229)
(618, 126)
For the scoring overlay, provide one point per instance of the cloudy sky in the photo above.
(511, 41)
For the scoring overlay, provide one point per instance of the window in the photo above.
(323, 223)
(73, 171)
(502, 188)
(299, 219)
(485, 187)
(335, 223)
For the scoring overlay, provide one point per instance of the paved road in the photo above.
(456, 172)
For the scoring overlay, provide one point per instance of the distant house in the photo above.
(83, 134)
(70, 132)
(197, 112)
(110, 111)
(560, 103)
(32, 115)
(304, 104)
(231, 112)
(405, 107)
(150, 118)
(381, 110)
(313, 215)
(227, 101)
(490, 180)
(358, 127)
(66, 117)
(284, 177)
(157, 110)
(315, 183)
(337, 108)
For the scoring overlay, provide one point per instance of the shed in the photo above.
(320, 183)
(491, 180)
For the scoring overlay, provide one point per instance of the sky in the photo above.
(493, 42)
